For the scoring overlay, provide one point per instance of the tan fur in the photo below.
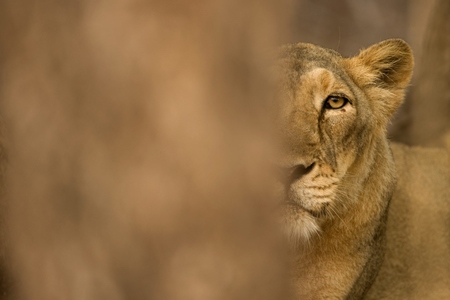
(417, 261)
(354, 209)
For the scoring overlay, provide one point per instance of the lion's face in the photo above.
(328, 118)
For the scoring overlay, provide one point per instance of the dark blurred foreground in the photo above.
(135, 158)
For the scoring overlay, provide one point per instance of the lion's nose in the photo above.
(298, 172)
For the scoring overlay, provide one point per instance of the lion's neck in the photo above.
(352, 243)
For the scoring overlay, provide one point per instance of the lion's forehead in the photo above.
(313, 69)
(296, 60)
(303, 113)
(314, 87)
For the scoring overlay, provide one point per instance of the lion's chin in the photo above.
(300, 225)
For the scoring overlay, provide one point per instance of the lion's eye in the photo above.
(335, 102)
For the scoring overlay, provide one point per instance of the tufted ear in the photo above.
(384, 71)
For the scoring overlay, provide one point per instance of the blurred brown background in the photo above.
(135, 149)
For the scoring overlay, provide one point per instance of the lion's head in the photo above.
(333, 113)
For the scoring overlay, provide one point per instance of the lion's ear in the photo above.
(389, 62)
(388, 66)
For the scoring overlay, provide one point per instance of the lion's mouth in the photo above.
(307, 189)
(316, 213)
(298, 223)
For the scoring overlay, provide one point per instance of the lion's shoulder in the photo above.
(423, 177)
(421, 165)
(417, 236)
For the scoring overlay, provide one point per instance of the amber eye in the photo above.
(335, 102)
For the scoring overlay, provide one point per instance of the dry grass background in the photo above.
(135, 152)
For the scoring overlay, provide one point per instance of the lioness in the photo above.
(371, 218)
